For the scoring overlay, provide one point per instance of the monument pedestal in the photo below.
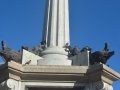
(54, 71)
(54, 56)
(15, 76)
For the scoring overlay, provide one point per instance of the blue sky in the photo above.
(92, 22)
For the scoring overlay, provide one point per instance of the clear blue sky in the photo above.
(92, 22)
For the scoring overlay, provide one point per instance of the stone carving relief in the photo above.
(99, 86)
(9, 85)
(9, 54)
(101, 56)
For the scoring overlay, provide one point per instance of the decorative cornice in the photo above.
(62, 73)
(104, 73)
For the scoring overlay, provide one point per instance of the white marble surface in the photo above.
(56, 27)
(54, 56)
(54, 62)
(30, 58)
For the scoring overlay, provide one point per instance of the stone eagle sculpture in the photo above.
(101, 56)
(72, 51)
(9, 54)
(37, 49)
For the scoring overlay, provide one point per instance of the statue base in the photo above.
(55, 56)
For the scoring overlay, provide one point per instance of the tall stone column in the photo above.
(56, 33)
(56, 26)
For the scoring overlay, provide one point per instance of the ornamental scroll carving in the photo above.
(99, 86)
(9, 85)
(12, 84)
(102, 86)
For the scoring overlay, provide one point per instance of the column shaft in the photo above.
(56, 26)
(56, 33)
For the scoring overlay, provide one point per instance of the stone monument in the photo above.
(56, 33)
(55, 65)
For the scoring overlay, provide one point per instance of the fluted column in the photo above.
(56, 31)
(56, 26)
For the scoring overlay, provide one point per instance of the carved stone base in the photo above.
(14, 85)
(98, 77)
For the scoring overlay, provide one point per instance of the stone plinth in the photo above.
(54, 56)
(18, 77)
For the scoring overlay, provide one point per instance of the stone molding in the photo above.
(100, 71)
(67, 85)
(31, 73)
